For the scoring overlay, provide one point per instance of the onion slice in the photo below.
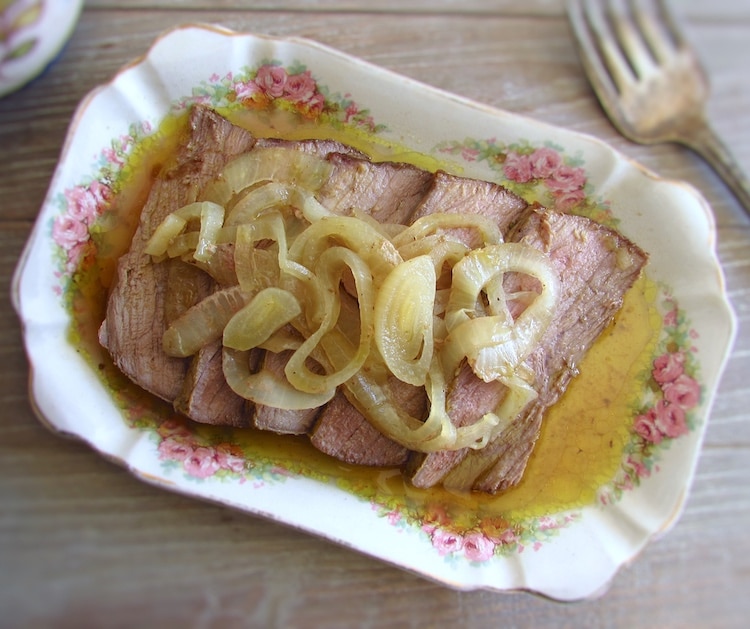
(495, 345)
(203, 323)
(264, 387)
(211, 217)
(270, 310)
(424, 301)
(404, 319)
(328, 272)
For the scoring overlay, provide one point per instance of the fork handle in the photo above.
(708, 145)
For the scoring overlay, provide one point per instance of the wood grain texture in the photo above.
(711, 9)
(84, 544)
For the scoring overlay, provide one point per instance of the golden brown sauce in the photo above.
(581, 444)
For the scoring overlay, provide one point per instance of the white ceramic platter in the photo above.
(567, 554)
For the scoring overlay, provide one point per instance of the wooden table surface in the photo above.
(82, 543)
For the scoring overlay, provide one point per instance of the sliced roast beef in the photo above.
(321, 148)
(188, 286)
(387, 191)
(206, 397)
(382, 190)
(208, 403)
(135, 318)
(469, 399)
(450, 194)
(279, 420)
(344, 433)
(506, 457)
(596, 266)
(336, 427)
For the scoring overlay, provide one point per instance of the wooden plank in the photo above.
(82, 543)
(482, 65)
(691, 9)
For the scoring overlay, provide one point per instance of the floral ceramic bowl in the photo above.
(591, 499)
(32, 33)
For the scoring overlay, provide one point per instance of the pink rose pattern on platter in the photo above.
(71, 229)
(545, 174)
(83, 208)
(672, 391)
(181, 446)
(274, 86)
(539, 173)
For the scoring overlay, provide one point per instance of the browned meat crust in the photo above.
(345, 434)
(135, 319)
(206, 397)
(450, 194)
(387, 191)
(283, 421)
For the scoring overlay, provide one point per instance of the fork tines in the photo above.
(624, 40)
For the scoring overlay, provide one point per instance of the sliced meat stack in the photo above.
(596, 266)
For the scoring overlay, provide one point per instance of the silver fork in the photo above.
(649, 81)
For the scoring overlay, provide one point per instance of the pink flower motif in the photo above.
(229, 460)
(300, 88)
(446, 542)
(316, 104)
(101, 193)
(683, 391)
(670, 419)
(670, 318)
(68, 231)
(645, 426)
(544, 162)
(517, 167)
(639, 469)
(566, 179)
(112, 157)
(246, 90)
(81, 204)
(126, 141)
(508, 536)
(173, 450)
(477, 547)
(202, 462)
(547, 523)
(350, 111)
(564, 201)
(272, 80)
(469, 154)
(393, 517)
(668, 367)
(86, 203)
